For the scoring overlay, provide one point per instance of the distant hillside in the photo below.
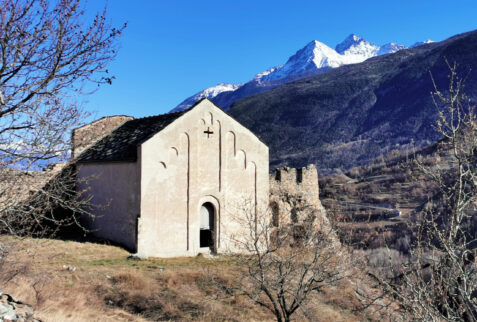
(353, 113)
(373, 204)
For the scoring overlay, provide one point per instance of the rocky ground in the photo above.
(13, 310)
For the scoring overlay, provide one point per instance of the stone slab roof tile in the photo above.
(122, 143)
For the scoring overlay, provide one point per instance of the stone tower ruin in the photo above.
(292, 189)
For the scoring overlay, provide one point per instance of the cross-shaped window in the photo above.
(208, 132)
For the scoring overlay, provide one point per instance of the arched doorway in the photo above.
(207, 224)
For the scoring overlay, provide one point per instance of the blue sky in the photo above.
(173, 49)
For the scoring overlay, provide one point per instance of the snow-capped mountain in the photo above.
(209, 93)
(314, 58)
(355, 49)
(266, 73)
(390, 48)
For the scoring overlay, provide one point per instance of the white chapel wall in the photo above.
(184, 167)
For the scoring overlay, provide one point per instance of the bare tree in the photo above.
(49, 56)
(284, 267)
(439, 281)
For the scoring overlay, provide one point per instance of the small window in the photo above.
(299, 175)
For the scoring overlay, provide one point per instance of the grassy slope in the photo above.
(107, 286)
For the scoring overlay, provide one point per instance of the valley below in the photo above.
(379, 205)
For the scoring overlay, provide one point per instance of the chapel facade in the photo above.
(173, 184)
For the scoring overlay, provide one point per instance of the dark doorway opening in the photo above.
(207, 219)
(275, 214)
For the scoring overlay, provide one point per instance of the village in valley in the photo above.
(340, 185)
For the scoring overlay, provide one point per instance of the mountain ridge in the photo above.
(314, 58)
(356, 112)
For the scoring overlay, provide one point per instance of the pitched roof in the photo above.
(122, 143)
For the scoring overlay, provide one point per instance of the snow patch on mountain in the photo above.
(355, 49)
(213, 91)
(390, 48)
(267, 72)
(209, 93)
(419, 43)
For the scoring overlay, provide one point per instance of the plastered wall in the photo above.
(204, 156)
(114, 188)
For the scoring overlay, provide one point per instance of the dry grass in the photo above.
(70, 281)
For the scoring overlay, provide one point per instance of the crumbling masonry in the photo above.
(294, 195)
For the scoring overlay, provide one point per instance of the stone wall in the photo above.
(85, 136)
(294, 195)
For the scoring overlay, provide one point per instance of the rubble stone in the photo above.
(15, 311)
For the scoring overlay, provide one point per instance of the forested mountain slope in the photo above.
(353, 113)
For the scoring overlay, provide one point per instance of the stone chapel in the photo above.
(169, 185)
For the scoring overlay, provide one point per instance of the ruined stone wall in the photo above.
(294, 194)
(85, 136)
